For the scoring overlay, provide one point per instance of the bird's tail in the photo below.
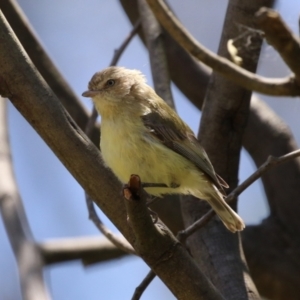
(228, 216)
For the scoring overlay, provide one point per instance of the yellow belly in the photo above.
(126, 151)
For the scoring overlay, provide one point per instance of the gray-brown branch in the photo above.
(279, 36)
(224, 117)
(265, 134)
(247, 79)
(269, 164)
(29, 259)
(89, 250)
(174, 256)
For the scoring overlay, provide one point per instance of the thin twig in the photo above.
(270, 163)
(143, 285)
(277, 86)
(119, 52)
(89, 127)
(120, 243)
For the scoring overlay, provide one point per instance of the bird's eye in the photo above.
(110, 82)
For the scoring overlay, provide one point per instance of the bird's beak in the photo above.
(90, 94)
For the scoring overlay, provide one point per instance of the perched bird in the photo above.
(141, 134)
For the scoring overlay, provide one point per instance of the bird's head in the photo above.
(114, 84)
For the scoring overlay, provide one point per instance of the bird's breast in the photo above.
(123, 148)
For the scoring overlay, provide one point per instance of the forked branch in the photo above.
(277, 87)
(270, 163)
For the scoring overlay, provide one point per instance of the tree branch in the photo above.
(46, 67)
(143, 286)
(28, 256)
(272, 255)
(269, 164)
(279, 87)
(265, 134)
(120, 243)
(155, 44)
(224, 117)
(271, 136)
(179, 61)
(160, 249)
(90, 250)
(281, 38)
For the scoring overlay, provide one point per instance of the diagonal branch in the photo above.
(45, 65)
(28, 257)
(224, 117)
(143, 285)
(280, 87)
(281, 38)
(269, 164)
(120, 243)
(149, 237)
(156, 48)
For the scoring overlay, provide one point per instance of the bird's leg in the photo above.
(131, 186)
(156, 185)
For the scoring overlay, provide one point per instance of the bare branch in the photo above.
(120, 243)
(28, 256)
(90, 250)
(118, 52)
(281, 38)
(224, 117)
(155, 44)
(160, 249)
(44, 64)
(270, 163)
(180, 62)
(279, 87)
(142, 287)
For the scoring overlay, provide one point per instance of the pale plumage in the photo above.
(141, 134)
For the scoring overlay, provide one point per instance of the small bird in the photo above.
(141, 134)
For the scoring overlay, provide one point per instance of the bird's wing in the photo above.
(181, 141)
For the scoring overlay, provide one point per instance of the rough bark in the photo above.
(224, 118)
(264, 134)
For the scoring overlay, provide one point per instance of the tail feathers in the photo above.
(228, 216)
